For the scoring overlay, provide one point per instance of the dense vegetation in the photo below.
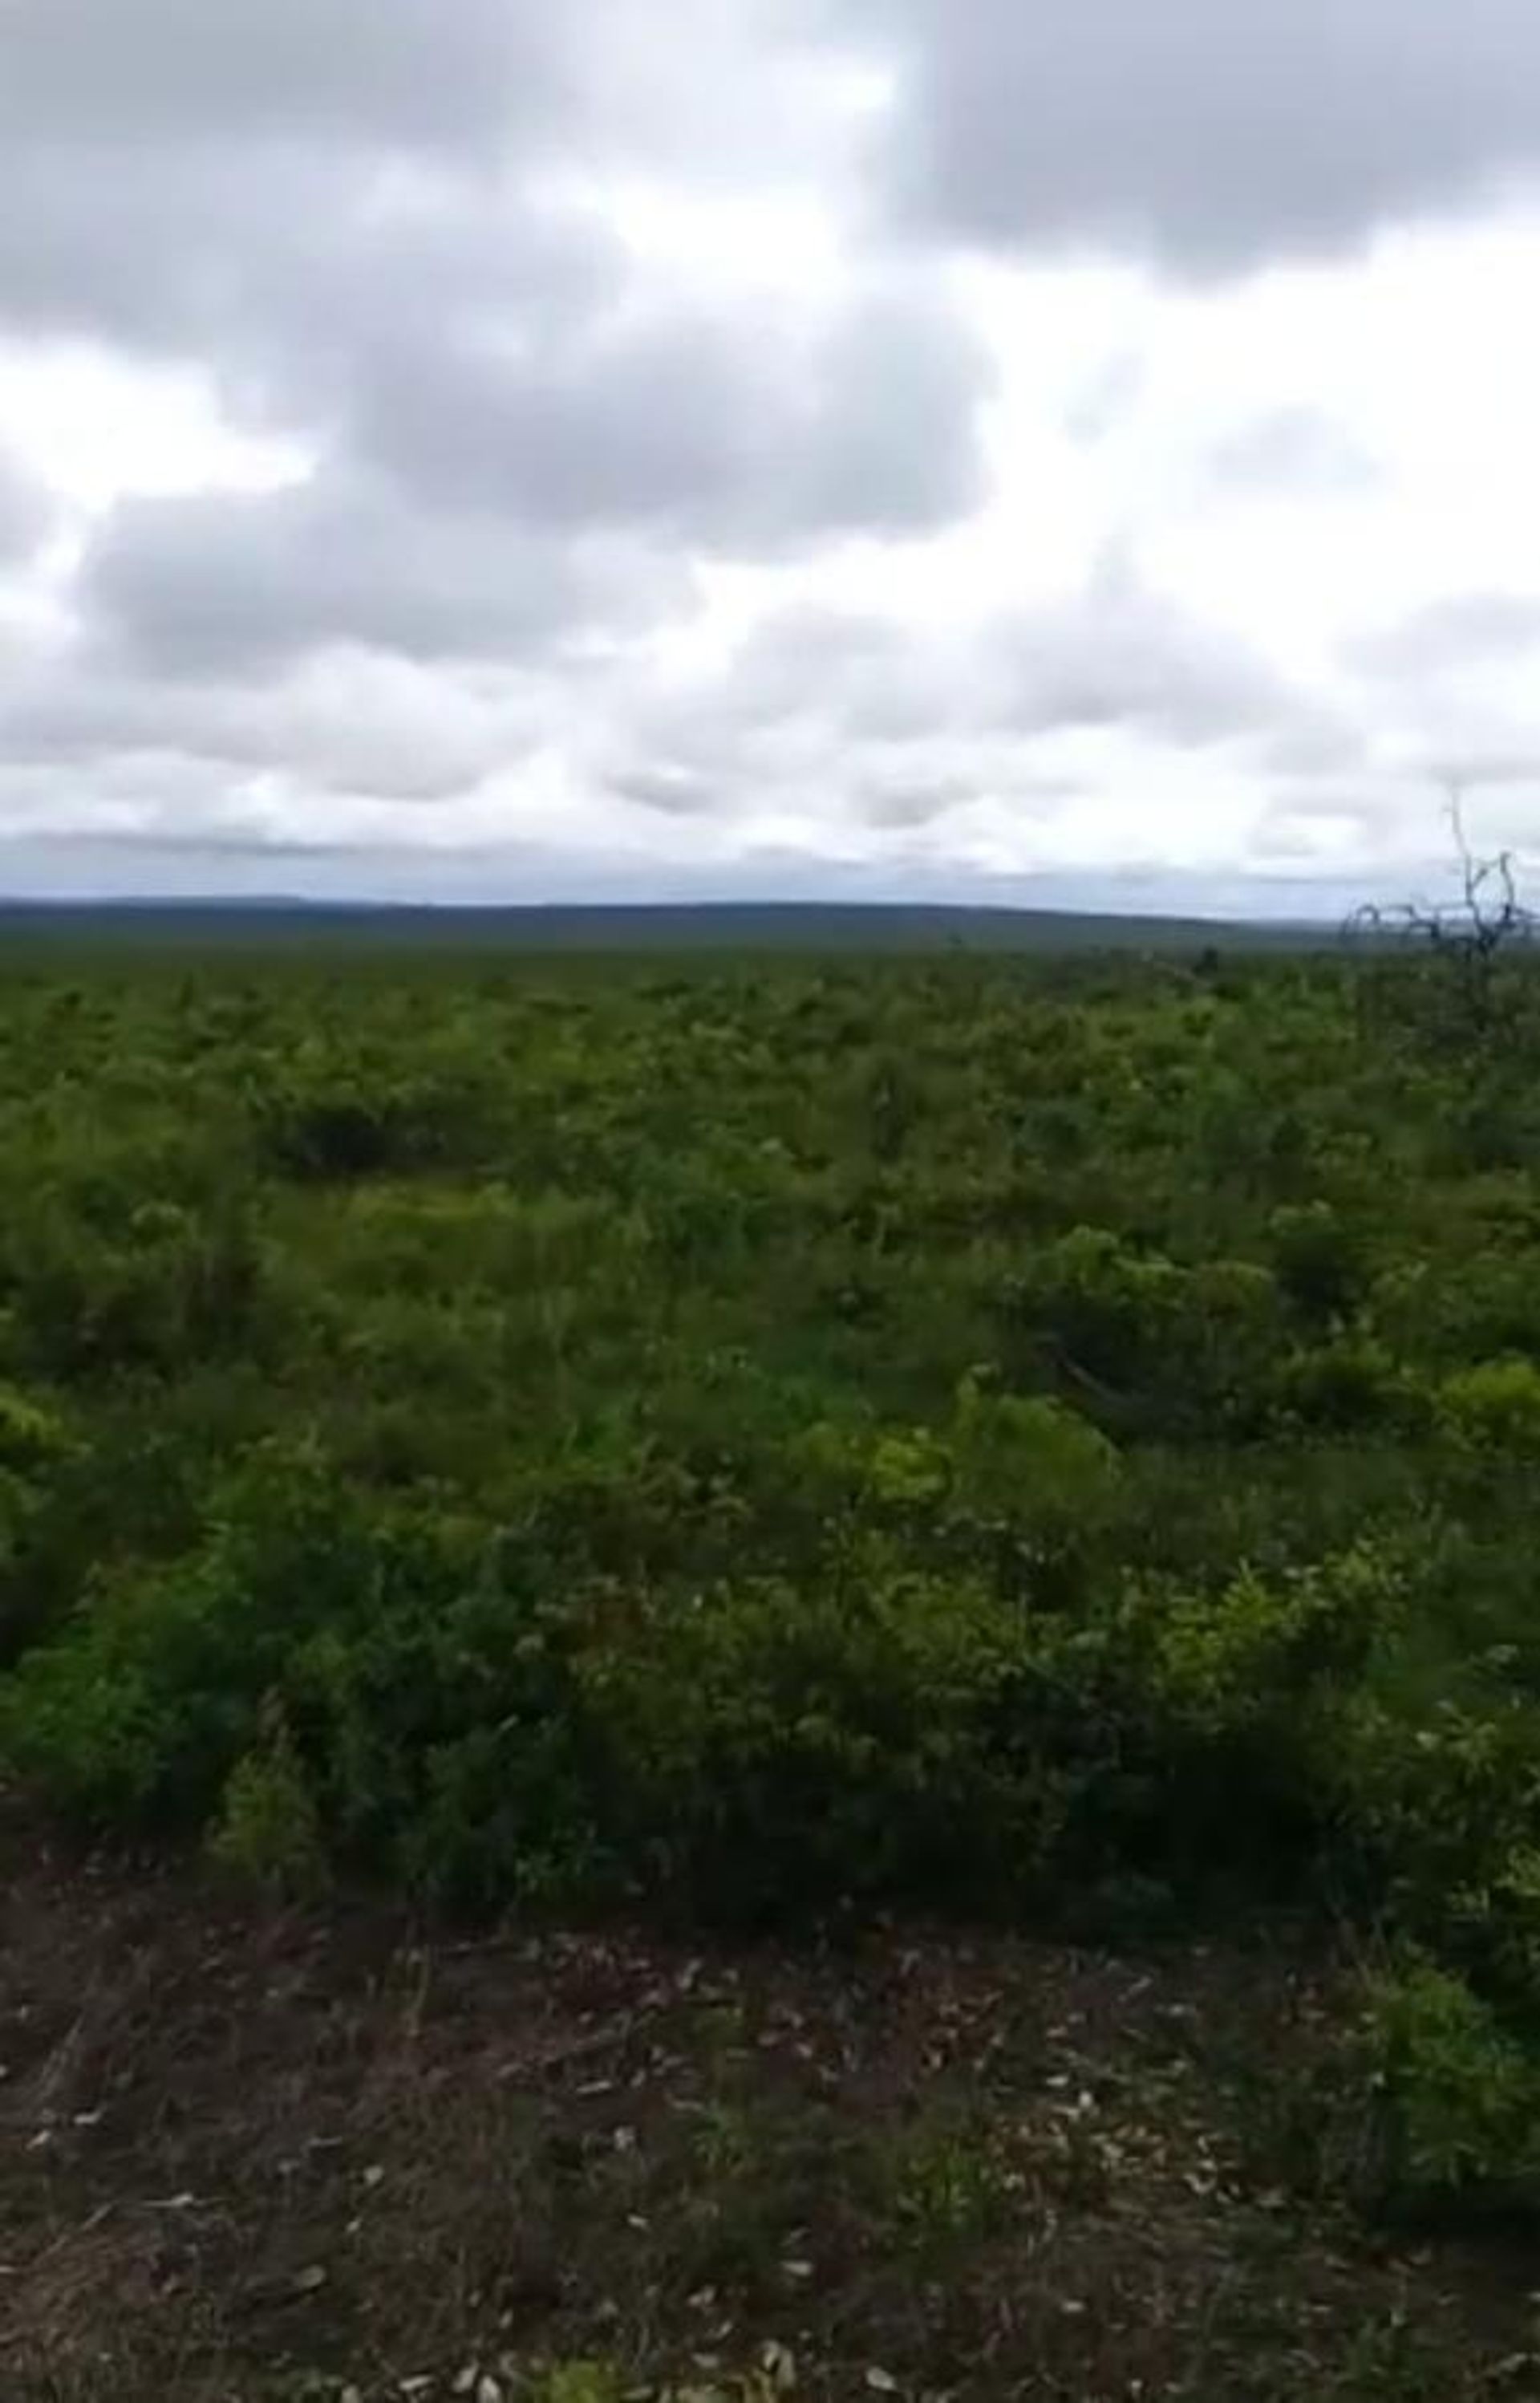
(1057, 1439)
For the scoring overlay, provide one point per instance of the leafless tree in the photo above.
(1468, 936)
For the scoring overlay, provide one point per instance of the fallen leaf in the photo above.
(779, 2366)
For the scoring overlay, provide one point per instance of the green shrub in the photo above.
(1147, 1340)
(1459, 2098)
(777, 1748)
(32, 1436)
(1354, 1382)
(333, 1116)
(1252, 1651)
(1024, 1455)
(1495, 1407)
(1318, 1259)
(269, 1829)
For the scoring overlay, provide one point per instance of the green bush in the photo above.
(32, 1436)
(1495, 1407)
(336, 1115)
(1318, 1259)
(269, 1829)
(1354, 1382)
(1459, 2098)
(1147, 1341)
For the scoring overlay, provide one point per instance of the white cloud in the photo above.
(503, 451)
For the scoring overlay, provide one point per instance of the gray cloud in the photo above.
(1306, 829)
(677, 791)
(349, 722)
(898, 803)
(25, 513)
(1123, 656)
(191, 179)
(903, 795)
(1211, 135)
(345, 217)
(875, 678)
(121, 73)
(896, 724)
(201, 585)
(285, 274)
(887, 438)
(1318, 744)
(724, 429)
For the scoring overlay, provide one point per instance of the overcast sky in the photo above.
(1085, 452)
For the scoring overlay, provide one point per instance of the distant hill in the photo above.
(669, 926)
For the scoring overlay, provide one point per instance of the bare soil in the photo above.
(248, 2155)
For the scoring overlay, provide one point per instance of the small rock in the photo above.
(881, 2382)
(488, 2390)
(310, 2281)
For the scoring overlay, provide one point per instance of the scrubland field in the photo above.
(783, 1676)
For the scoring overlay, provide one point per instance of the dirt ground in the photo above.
(247, 2156)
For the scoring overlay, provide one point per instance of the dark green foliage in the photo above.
(1054, 1440)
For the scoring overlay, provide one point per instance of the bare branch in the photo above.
(1471, 933)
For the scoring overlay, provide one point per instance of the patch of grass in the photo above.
(943, 2182)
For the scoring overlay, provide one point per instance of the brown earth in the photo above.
(249, 2155)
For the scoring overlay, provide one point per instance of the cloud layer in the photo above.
(1214, 135)
(866, 445)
